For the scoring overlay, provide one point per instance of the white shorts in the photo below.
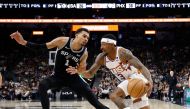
(123, 85)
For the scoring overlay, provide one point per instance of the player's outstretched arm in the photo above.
(81, 67)
(93, 69)
(97, 64)
(57, 42)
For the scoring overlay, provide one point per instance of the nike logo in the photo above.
(78, 55)
(67, 47)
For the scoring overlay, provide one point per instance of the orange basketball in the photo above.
(136, 88)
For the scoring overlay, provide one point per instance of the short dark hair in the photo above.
(82, 29)
(110, 36)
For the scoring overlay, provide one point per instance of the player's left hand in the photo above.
(72, 70)
(149, 88)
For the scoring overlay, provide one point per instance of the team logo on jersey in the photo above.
(118, 69)
(69, 56)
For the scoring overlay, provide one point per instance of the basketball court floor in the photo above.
(155, 104)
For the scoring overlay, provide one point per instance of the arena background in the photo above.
(163, 50)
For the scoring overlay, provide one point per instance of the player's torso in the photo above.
(121, 71)
(67, 57)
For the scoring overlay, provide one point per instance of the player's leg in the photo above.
(118, 95)
(146, 107)
(141, 103)
(45, 85)
(79, 86)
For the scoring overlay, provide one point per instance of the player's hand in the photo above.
(87, 75)
(149, 87)
(72, 70)
(18, 37)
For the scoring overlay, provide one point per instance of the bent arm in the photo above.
(126, 56)
(57, 42)
(82, 66)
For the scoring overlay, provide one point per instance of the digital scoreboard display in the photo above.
(61, 5)
(85, 10)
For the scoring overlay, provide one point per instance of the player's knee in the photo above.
(145, 107)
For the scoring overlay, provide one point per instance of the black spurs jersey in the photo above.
(67, 57)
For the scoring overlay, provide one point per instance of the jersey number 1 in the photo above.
(67, 63)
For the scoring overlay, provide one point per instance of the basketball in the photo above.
(136, 88)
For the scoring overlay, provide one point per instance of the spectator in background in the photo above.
(179, 93)
(160, 85)
(172, 81)
(165, 91)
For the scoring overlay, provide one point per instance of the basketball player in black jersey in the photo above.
(70, 52)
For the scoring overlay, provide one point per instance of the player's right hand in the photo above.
(87, 75)
(72, 70)
(18, 37)
(149, 87)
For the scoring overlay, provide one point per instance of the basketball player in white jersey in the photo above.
(123, 64)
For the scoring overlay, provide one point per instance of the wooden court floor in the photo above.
(155, 104)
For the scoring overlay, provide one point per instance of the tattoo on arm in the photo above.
(137, 63)
(127, 57)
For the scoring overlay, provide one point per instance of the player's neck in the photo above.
(75, 45)
(112, 54)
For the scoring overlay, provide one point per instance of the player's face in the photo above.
(83, 37)
(106, 47)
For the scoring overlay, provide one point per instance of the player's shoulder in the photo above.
(86, 52)
(102, 54)
(63, 38)
(122, 49)
(100, 58)
(62, 41)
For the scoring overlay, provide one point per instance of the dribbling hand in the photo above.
(149, 87)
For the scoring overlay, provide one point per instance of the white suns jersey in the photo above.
(121, 71)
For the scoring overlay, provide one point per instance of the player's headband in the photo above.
(107, 40)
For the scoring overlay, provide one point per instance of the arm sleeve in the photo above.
(37, 47)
